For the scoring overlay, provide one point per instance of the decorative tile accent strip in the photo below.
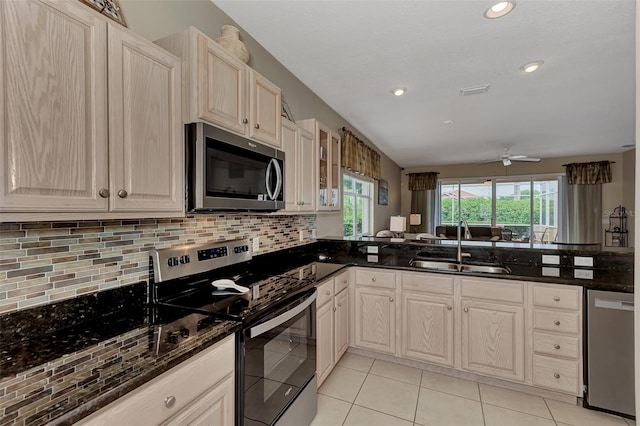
(44, 262)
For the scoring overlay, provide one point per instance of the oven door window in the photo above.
(278, 364)
(235, 172)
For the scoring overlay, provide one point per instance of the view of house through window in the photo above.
(525, 209)
(357, 207)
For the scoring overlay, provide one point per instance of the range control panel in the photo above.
(182, 261)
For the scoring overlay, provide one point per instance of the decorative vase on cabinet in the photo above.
(230, 40)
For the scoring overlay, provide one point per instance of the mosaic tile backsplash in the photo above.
(43, 262)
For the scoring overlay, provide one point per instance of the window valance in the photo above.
(588, 173)
(358, 157)
(423, 181)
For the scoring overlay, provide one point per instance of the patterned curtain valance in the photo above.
(588, 173)
(423, 181)
(358, 157)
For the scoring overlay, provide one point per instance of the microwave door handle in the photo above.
(268, 179)
(276, 193)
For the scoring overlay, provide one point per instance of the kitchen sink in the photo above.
(437, 265)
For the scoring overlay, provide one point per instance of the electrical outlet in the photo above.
(582, 261)
(301, 235)
(256, 291)
(551, 259)
(256, 244)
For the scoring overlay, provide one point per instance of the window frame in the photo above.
(371, 183)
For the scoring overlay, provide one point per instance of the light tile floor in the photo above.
(362, 391)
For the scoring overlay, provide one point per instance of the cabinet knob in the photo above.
(557, 299)
(391, 299)
(334, 309)
(339, 305)
(344, 281)
(557, 346)
(449, 307)
(556, 322)
(466, 309)
(245, 120)
(169, 401)
(257, 126)
(328, 293)
(556, 375)
(104, 192)
(302, 203)
(373, 279)
(122, 193)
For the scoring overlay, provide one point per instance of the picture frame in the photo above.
(110, 8)
(383, 192)
(286, 111)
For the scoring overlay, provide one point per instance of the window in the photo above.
(526, 208)
(357, 209)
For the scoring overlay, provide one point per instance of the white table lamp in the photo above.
(398, 224)
(415, 219)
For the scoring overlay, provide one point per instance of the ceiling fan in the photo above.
(507, 158)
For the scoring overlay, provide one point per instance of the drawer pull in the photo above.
(466, 309)
(556, 375)
(373, 279)
(328, 293)
(556, 322)
(169, 401)
(449, 307)
(391, 299)
(557, 299)
(557, 346)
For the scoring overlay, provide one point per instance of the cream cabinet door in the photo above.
(427, 328)
(306, 164)
(290, 138)
(145, 129)
(493, 339)
(214, 408)
(221, 86)
(264, 110)
(341, 324)
(53, 107)
(375, 319)
(324, 342)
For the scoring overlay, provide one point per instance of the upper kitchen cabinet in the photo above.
(223, 91)
(78, 142)
(300, 166)
(328, 175)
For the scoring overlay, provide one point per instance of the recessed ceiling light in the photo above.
(499, 9)
(399, 91)
(531, 66)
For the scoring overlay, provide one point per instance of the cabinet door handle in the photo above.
(373, 279)
(245, 120)
(328, 293)
(557, 299)
(391, 299)
(257, 126)
(449, 307)
(104, 192)
(556, 322)
(302, 203)
(122, 193)
(334, 309)
(169, 401)
(339, 305)
(557, 346)
(466, 309)
(556, 375)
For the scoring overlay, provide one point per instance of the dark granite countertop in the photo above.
(61, 362)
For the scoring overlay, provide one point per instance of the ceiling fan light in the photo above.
(499, 9)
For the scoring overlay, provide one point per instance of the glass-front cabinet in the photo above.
(329, 178)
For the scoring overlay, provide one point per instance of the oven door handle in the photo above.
(281, 319)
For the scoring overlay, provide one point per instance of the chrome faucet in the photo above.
(467, 235)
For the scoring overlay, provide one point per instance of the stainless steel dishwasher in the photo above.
(610, 371)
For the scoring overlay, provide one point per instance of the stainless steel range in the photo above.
(195, 286)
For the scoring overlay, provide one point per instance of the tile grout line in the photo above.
(484, 420)
(550, 412)
(415, 412)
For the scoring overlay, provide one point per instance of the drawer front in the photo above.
(565, 322)
(561, 297)
(376, 278)
(492, 290)
(428, 283)
(556, 345)
(325, 293)
(341, 282)
(557, 374)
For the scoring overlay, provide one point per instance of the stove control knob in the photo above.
(173, 338)
(185, 259)
(172, 261)
(184, 333)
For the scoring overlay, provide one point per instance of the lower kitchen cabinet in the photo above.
(191, 393)
(332, 319)
(375, 319)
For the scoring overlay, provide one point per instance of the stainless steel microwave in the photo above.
(229, 172)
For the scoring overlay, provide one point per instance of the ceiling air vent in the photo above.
(468, 91)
